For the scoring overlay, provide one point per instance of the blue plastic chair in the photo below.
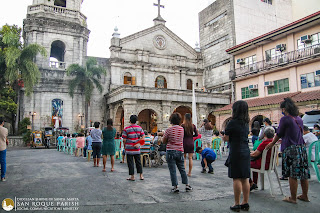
(61, 144)
(119, 148)
(316, 161)
(67, 149)
(216, 143)
(73, 145)
(197, 143)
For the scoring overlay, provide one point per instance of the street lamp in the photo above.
(81, 116)
(32, 115)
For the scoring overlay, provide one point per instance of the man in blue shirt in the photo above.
(208, 157)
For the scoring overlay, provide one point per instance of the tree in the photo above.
(20, 67)
(86, 78)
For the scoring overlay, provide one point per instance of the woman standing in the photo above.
(206, 131)
(96, 143)
(294, 154)
(108, 145)
(190, 131)
(173, 137)
(238, 162)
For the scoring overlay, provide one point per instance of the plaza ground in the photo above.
(43, 173)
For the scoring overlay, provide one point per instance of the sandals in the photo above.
(303, 199)
(289, 200)
(130, 179)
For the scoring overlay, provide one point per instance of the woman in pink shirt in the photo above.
(80, 143)
(173, 137)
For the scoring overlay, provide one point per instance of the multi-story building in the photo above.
(282, 63)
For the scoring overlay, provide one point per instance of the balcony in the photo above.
(281, 61)
(57, 64)
(58, 10)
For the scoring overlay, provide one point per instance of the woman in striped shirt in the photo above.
(173, 137)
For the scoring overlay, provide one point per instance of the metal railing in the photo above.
(282, 60)
(57, 10)
(57, 64)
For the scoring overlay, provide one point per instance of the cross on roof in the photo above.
(159, 6)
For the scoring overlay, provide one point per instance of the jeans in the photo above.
(130, 162)
(209, 162)
(3, 163)
(174, 158)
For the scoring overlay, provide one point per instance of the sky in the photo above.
(130, 16)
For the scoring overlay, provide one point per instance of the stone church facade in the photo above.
(150, 73)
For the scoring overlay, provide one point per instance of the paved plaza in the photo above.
(46, 173)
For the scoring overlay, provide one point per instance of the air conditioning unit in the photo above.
(317, 73)
(240, 61)
(281, 47)
(306, 39)
(253, 87)
(282, 60)
(268, 83)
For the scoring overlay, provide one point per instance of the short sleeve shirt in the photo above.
(3, 137)
(96, 135)
(174, 136)
(208, 154)
(132, 134)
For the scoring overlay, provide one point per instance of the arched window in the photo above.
(57, 53)
(128, 79)
(60, 3)
(189, 84)
(161, 82)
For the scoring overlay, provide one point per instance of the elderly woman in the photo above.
(294, 154)
(206, 131)
(238, 161)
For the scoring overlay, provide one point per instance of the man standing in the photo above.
(3, 148)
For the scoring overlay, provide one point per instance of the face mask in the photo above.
(283, 113)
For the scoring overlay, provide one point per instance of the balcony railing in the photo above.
(285, 59)
(57, 10)
(57, 64)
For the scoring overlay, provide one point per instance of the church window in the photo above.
(60, 3)
(189, 84)
(128, 79)
(57, 54)
(161, 82)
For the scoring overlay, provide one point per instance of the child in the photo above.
(80, 143)
(309, 138)
(208, 157)
(216, 136)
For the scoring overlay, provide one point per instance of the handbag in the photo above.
(227, 163)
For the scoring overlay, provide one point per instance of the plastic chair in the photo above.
(316, 161)
(61, 144)
(89, 153)
(73, 145)
(216, 143)
(272, 167)
(197, 143)
(119, 148)
(67, 146)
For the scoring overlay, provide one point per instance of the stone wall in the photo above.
(16, 141)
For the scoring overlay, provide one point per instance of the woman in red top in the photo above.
(256, 164)
(173, 137)
(190, 131)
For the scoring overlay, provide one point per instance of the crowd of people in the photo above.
(178, 143)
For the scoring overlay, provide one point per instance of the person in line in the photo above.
(96, 143)
(238, 162)
(208, 157)
(255, 135)
(80, 143)
(88, 146)
(309, 138)
(257, 156)
(316, 130)
(131, 135)
(109, 144)
(190, 131)
(173, 137)
(206, 131)
(145, 149)
(294, 154)
(266, 123)
(3, 149)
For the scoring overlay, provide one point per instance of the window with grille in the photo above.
(279, 86)
(310, 80)
(247, 93)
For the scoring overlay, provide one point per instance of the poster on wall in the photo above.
(57, 113)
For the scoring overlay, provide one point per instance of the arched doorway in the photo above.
(258, 118)
(183, 110)
(189, 84)
(225, 123)
(148, 120)
(212, 119)
(119, 120)
(57, 54)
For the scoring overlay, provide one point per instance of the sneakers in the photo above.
(175, 190)
(254, 186)
(204, 171)
(188, 188)
(3, 179)
(211, 172)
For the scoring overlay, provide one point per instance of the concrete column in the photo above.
(130, 108)
(166, 112)
(202, 113)
(293, 80)
(261, 86)
(290, 43)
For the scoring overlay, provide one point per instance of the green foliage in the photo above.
(86, 78)
(7, 103)
(26, 133)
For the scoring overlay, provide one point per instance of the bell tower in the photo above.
(61, 28)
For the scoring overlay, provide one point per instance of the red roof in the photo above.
(277, 99)
(274, 31)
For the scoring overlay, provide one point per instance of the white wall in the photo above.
(303, 8)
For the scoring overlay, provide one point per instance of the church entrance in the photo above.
(119, 120)
(148, 120)
(183, 110)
